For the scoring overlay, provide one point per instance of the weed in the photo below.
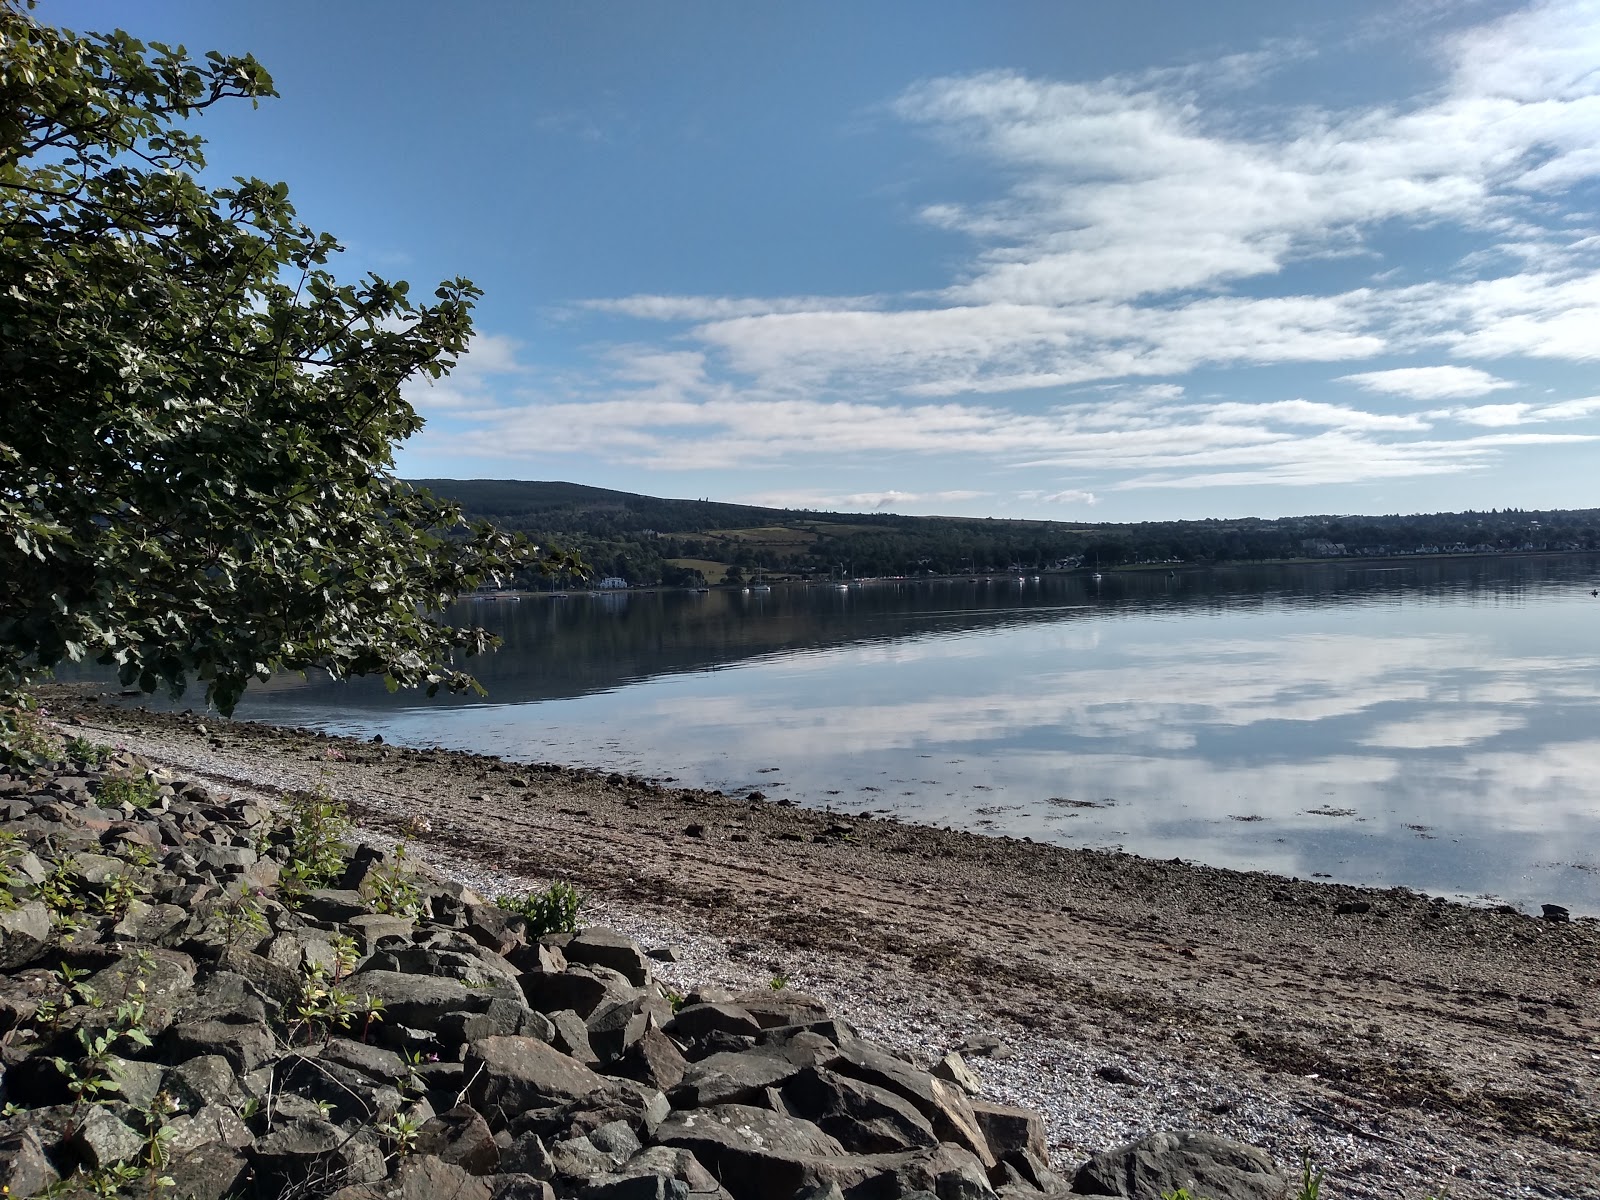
(242, 912)
(393, 889)
(778, 982)
(89, 1076)
(117, 893)
(316, 829)
(82, 750)
(25, 739)
(72, 991)
(137, 791)
(554, 910)
(400, 1131)
(1310, 1178)
(11, 849)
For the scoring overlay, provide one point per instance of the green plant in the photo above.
(400, 1131)
(393, 889)
(89, 1076)
(139, 791)
(1310, 1178)
(117, 892)
(11, 849)
(202, 489)
(71, 992)
(81, 749)
(241, 911)
(25, 739)
(315, 832)
(554, 910)
(778, 982)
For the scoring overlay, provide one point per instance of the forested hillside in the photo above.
(647, 540)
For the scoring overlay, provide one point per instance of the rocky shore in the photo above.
(1415, 1047)
(204, 997)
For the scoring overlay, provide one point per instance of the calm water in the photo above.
(1435, 725)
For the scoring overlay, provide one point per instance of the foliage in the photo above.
(196, 444)
(25, 740)
(315, 834)
(82, 750)
(138, 790)
(392, 889)
(554, 910)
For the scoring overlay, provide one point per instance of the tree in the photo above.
(197, 420)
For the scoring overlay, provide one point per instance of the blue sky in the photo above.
(1103, 262)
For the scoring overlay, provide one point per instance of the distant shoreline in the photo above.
(1071, 572)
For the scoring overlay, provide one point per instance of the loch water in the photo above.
(1433, 723)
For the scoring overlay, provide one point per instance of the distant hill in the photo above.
(648, 539)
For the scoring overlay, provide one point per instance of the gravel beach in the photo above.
(1415, 1047)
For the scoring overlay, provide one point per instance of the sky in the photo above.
(1100, 262)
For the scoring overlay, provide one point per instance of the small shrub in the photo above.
(315, 834)
(25, 739)
(554, 910)
(137, 790)
(393, 889)
(82, 750)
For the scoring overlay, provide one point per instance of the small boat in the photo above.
(761, 587)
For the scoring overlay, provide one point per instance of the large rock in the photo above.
(1205, 1164)
(607, 948)
(25, 1167)
(865, 1118)
(300, 1153)
(773, 1008)
(578, 988)
(697, 1020)
(756, 1153)
(652, 1059)
(24, 935)
(462, 1137)
(1009, 1129)
(418, 1001)
(944, 1104)
(246, 1045)
(509, 1075)
(421, 1177)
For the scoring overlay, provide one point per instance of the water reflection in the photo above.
(1433, 725)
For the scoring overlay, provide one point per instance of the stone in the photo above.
(731, 1078)
(25, 935)
(946, 1172)
(944, 1104)
(148, 922)
(304, 1150)
(654, 1059)
(213, 1125)
(1008, 1129)
(634, 1187)
(571, 1037)
(25, 1168)
(612, 1028)
(753, 1151)
(246, 1045)
(1554, 912)
(865, 1118)
(952, 1068)
(578, 989)
(773, 1008)
(417, 1001)
(616, 1140)
(1204, 1163)
(204, 1079)
(372, 930)
(460, 1136)
(509, 1075)
(598, 947)
(210, 1172)
(666, 954)
(520, 1187)
(373, 1061)
(667, 1162)
(137, 1082)
(421, 1177)
(104, 1139)
(696, 1020)
(334, 904)
(527, 1155)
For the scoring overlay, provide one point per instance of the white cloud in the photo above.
(1137, 214)
(1428, 383)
